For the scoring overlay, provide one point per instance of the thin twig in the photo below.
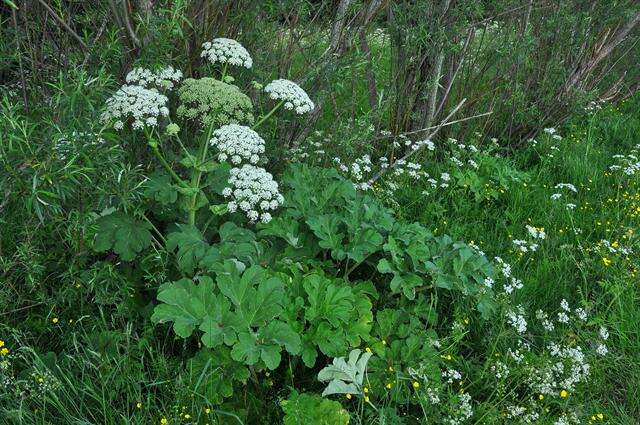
(64, 24)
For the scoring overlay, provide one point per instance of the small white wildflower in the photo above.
(226, 50)
(602, 349)
(253, 188)
(237, 142)
(142, 105)
(164, 78)
(604, 333)
(293, 95)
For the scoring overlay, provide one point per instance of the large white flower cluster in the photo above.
(237, 143)
(292, 94)
(253, 191)
(226, 50)
(164, 78)
(145, 106)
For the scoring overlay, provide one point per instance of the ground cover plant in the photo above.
(289, 219)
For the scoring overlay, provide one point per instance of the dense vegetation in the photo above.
(321, 212)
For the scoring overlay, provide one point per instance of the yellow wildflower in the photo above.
(564, 393)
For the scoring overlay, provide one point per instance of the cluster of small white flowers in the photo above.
(254, 192)
(145, 106)
(500, 370)
(601, 348)
(628, 164)
(593, 106)
(226, 50)
(463, 412)
(511, 283)
(568, 419)
(553, 133)
(450, 375)
(566, 186)
(536, 232)
(294, 97)
(164, 78)
(544, 319)
(615, 247)
(515, 411)
(517, 320)
(524, 246)
(432, 394)
(237, 143)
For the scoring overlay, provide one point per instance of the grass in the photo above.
(89, 323)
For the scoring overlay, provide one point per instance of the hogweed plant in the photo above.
(220, 117)
(312, 268)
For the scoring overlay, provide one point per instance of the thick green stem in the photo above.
(224, 72)
(197, 176)
(166, 165)
(271, 112)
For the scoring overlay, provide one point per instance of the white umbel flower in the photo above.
(253, 191)
(143, 105)
(165, 78)
(294, 97)
(226, 50)
(237, 143)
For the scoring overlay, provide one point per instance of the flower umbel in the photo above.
(226, 50)
(143, 105)
(294, 97)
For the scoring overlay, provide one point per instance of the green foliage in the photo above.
(124, 235)
(311, 409)
(345, 376)
(240, 310)
(213, 103)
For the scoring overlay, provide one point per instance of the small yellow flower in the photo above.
(366, 398)
(4, 351)
(390, 368)
(55, 320)
(164, 421)
(1, 343)
(187, 416)
(388, 386)
(416, 384)
(541, 397)
(600, 416)
(366, 390)
(139, 405)
(564, 393)
(384, 342)
(207, 410)
(368, 350)
(348, 396)
(606, 261)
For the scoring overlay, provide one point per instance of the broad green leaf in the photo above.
(160, 189)
(124, 235)
(312, 409)
(257, 297)
(282, 334)
(246, 350)
(327, 229)
(327, 301)
(191, 247)
(345, 376)
(186, 304)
